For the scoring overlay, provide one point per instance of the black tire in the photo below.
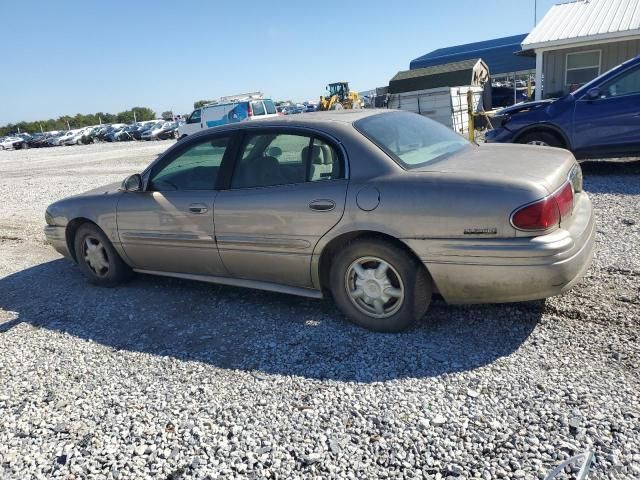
(415, 282)
(540, 138)
(115, 270)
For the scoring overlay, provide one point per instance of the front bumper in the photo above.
(57, 238)
(483, 270)
(499, 135)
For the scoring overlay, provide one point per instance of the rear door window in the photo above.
(324, 163)
(257, 108)
(272, 159)
(271, 108)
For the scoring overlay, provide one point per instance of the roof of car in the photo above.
(342, 116)
(309, 120)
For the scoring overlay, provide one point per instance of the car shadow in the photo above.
(610, 167)
(260, 332)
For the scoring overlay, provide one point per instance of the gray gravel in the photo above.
(169, 379)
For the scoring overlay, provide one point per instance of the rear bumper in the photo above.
(56, 237)
(511, 270)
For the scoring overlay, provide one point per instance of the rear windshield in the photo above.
(411, 139)
(271, 108)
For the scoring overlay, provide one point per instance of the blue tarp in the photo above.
(498, 54)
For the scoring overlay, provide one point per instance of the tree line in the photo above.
(79, 120)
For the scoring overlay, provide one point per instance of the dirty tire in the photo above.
(540, 138)
(111, 270)
(410, 276)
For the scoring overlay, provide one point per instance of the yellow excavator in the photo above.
(340, 97)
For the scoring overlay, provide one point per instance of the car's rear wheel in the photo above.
(97, 258)
(380, 286)
(544, 139)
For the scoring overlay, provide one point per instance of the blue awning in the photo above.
(499, 54)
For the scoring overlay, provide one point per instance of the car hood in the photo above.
(525, 106)
(510, 163)
(110, 188)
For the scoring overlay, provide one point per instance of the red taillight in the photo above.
(564, 197)
(249, 110)
(545, 213)
(540, 215)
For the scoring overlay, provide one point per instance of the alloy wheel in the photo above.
(538, 142)
(374, 287)
(95, 256)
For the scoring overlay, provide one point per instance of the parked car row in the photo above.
(117, 132)
(292, 109)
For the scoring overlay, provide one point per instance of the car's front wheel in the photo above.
(97, 258)
(380, 286)
(544, 139)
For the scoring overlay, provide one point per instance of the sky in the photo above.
(68, 57)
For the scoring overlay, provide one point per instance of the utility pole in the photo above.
(134, 117)
(535, 12)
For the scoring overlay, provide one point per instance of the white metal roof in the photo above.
(583, 21)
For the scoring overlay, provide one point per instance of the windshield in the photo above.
(411, 139)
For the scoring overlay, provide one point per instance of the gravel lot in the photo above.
(169, 379)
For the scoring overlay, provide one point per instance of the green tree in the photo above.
(201, 103)
(144, 113)
(79, 120)
(168, 115)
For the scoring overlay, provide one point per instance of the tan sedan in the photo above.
(379, 209)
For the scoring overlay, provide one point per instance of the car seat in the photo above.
(321, 162)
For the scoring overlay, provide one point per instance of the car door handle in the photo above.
(198, 208)
(322, 205)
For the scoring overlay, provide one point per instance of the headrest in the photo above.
(316, 154)
(274, 151)
(327, 154)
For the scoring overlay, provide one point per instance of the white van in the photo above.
(223, 113)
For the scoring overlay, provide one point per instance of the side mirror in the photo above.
(593, 93)
(133, 183)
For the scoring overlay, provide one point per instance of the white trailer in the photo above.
(446, 105)
(440, 91)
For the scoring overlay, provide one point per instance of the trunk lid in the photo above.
(546, 166)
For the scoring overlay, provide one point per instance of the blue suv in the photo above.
(600, 119)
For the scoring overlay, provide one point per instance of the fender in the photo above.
(544, 126)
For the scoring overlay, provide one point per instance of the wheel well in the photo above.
(549, 130)
(70, 233)
(341, 241)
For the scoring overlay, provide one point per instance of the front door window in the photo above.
(195, 169)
